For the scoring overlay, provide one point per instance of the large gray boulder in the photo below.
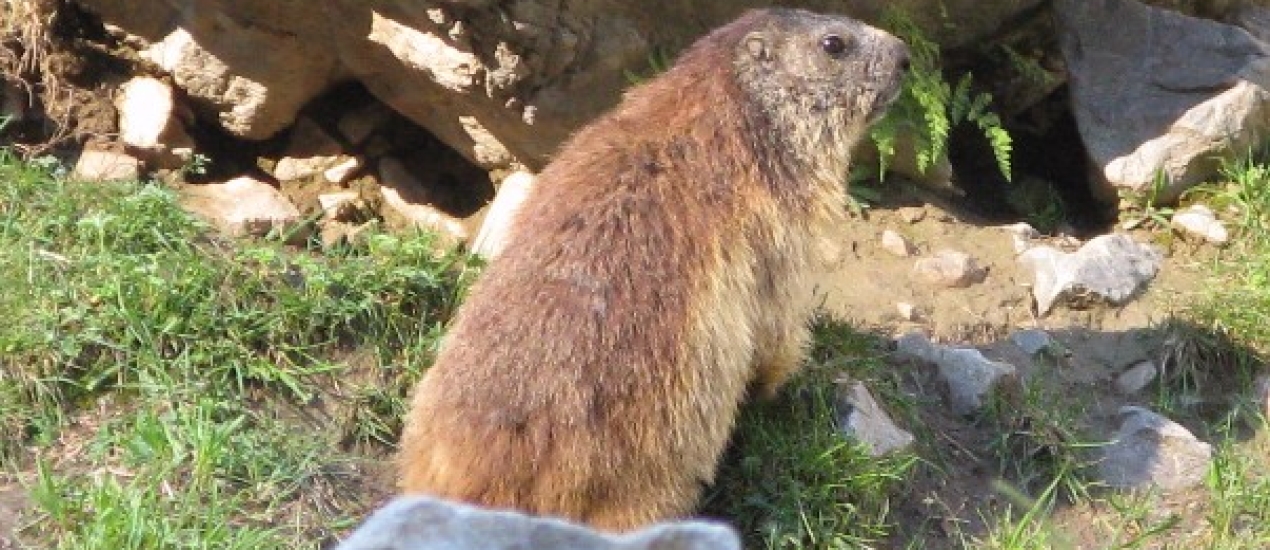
(1159, 94)
(503, 83)
(425, 523)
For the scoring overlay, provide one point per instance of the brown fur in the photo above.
(655, 273)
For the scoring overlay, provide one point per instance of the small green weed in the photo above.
(793, 481)
(929, 107)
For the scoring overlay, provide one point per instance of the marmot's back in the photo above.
(655, 272)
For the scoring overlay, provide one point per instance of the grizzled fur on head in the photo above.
(657, 274)
(820, 80)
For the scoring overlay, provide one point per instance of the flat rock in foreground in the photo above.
(419, 523)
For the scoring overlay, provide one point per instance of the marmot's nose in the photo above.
(903, 64)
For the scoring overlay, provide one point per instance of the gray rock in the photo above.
(917, 344)
(970, 376)
(1136, 377)
(1113, 268)
(1150, 450)
(897, 244)
(424, 523)
(242, 206)
(1199, 221)
(1157, 91)
(862, 419)
(1031, 341)
(950, 268)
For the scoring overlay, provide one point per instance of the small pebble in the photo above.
(950, 268)
(1198, 220)
(1137, 377)
(896, 244)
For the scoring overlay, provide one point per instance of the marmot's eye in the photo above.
(833, 45)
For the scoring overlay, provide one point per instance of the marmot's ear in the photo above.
(756, 45)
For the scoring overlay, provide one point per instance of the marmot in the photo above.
(656, 273)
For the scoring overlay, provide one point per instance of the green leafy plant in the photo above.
(1144, 208)
(929, 107)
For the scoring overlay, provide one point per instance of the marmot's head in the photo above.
(820, 79)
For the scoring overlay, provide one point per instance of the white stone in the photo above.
(1198, 220)
(342, 172)
(1136, 377)
(950, 268)
(242, 206)
(897, 244)
(492, 236)
(1151, 450)
(149, 123)
(102, 165)
(145, 108)
(333, 203)
(861, 418)
(907, 311)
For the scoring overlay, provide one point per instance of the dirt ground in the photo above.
(960, 496)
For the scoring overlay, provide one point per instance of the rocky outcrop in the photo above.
(250, 67)
(1160, 96)
(502, 83)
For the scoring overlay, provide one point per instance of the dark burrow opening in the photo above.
(1050, 185)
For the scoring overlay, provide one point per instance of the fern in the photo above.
(928, 107)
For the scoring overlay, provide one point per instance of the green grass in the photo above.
(793, 481)
(177, 391)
